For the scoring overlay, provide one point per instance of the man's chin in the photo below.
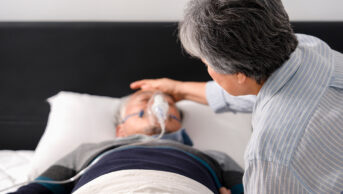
(152, 131)
(156, 131)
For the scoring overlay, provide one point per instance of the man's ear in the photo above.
(120, 131)
(241, 78)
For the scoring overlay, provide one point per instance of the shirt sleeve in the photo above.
(221, 101)
(268, 177)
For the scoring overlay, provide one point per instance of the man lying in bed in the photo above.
(137, 163)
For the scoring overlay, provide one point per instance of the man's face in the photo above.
(137, 124)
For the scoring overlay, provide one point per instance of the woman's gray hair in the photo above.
(253, 37)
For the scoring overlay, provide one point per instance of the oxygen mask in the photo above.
(157, 110)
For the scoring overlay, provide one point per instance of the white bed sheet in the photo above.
(14, 166)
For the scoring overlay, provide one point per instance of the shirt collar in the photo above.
(279, 78)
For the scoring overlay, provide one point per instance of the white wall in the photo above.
(319, 10)
(142, 10)
(92, 10)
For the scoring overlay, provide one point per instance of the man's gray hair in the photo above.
(253, 37)
(120, 113)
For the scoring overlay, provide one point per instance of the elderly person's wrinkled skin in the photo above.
(142, 125)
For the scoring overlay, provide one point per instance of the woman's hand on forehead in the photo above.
(144, 96)
(165, 85)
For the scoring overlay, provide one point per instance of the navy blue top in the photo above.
(152, 158)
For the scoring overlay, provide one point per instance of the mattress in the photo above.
(14, 166)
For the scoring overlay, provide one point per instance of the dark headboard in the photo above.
(39, 59)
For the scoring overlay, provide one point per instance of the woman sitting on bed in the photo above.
(135, 162)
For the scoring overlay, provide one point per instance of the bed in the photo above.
(97, 59)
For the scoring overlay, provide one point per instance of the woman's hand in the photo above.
(165, 85)
(179, 90)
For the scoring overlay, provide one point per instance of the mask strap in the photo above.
(175, 118)
(140, 114)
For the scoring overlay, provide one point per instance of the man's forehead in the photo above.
(142, 92)
(148, 93)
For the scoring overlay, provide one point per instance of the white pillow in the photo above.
(80, 118)
(74, 119)
(227, 132)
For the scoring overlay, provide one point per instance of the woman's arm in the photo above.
(195, 91)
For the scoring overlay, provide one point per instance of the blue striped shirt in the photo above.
(297, 140)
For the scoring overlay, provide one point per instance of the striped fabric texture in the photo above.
(297, 140)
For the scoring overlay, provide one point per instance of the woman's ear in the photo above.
(241, 78)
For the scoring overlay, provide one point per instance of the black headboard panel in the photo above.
(330, 32)
(39, 59)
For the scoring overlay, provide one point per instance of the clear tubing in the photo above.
(72, 179)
